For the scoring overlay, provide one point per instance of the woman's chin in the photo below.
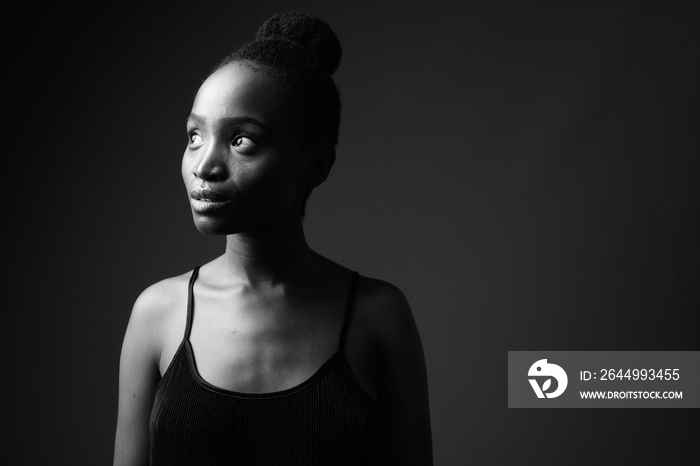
(240, 222)
(210, 226)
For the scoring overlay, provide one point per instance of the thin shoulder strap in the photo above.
(190, 303)
(348, 310)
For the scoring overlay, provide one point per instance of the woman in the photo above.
(270, 353)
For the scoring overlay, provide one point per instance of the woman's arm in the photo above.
(138, 377)
(402, 383)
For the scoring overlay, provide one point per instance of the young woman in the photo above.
(270, 353)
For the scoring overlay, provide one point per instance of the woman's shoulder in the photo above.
(380, 308)
(374, 298)
(157, 301)
(155, 310)
(385, 310)
(381, 295)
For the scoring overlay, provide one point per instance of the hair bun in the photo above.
(310, 32)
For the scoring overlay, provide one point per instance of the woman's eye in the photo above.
(242, 143)
(196, 139)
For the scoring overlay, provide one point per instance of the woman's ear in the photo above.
(321, 161)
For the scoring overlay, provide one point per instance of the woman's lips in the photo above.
(205, 205)
(206, 194)
(205, 200)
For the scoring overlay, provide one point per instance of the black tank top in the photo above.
(329, 419)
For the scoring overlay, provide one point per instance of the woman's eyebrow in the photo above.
(232, 121)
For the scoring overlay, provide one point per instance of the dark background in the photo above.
(526, 175)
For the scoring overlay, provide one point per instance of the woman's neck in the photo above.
(267, 257)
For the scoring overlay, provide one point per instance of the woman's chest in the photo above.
(267, 345)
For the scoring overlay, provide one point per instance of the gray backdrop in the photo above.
(526, 175)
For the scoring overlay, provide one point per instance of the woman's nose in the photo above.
(212, 164)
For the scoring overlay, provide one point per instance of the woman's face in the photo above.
(244, 165)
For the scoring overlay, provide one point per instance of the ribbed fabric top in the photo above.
(329, 419)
